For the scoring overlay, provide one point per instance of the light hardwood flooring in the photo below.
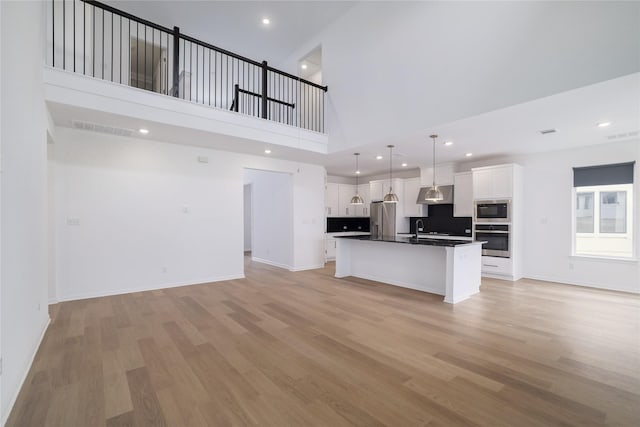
(306, 349)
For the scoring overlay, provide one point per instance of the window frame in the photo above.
(630, 233)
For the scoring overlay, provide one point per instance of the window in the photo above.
(603, 210)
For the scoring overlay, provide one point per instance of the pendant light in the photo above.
(434, 194)
(390, 197)
(357, 200)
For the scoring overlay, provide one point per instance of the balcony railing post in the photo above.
(236, 97)
(265, 91)
(176, 62)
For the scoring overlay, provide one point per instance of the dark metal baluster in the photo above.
(197, 77)
(203, 51)
(215, 78)
(137, 55)
(265, 89)
(153, 50)
(184, 67)
(145, 58)
(176, 61)
(209, 77)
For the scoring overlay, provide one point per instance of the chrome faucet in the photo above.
(419, 221)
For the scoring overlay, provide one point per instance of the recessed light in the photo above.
(267, 151)
(378, 157)
(447, 143)
(404, 165)
(357, 172)
(469, 154)
(603, 124)
(304, 66)
(266, 21)
(144, 131)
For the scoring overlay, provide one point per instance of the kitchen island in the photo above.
(444, 267)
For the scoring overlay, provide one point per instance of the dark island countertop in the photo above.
(414, 241)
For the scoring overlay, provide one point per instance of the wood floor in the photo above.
(306, 349)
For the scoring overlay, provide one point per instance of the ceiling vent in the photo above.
(96, 127)
(548, 131)
(632, 134)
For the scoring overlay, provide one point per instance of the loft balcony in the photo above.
(110, 62)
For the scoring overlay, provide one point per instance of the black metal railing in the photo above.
(98, 40)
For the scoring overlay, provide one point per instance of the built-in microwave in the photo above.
(492, 211)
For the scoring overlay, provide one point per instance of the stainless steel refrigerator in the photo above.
(383, 220)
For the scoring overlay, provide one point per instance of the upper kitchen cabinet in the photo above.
(493, 182)
(332, 198)
(379, 188)
(411, 190)
(463, 194)
(444, 175)
(345, 193)
(363, 210)
(376, 190)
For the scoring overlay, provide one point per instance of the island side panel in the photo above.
(343, 257)
(463, 272)
(418, 267)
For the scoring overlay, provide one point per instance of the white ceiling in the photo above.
(237, 25)
(513, 130)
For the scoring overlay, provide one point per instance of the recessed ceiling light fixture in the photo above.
(378, 157)
(266, 21)
(304, 66)
(603, 124)
(143, 131)
(404, 165)
(267, 151)
(448, 143)
(469, 154)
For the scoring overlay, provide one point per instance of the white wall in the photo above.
(397, 70)
(272, 205)
(129, 197)
(23, 194)
(548, 183)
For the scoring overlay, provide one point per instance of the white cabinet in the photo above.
(463, 194)
(363, 210)
(345, 193)
(494, 182)
(444, 175)
(410, 195)
(377, 190)
(331, 200)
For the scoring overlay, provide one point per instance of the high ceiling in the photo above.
(237, 25)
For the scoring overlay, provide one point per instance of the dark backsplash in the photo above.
(335, 225)
(441, 220)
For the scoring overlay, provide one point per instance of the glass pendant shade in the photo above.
(390, 197)
(357, 200)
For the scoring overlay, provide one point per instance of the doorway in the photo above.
(268, 217)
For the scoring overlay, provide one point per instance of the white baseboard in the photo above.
(273, 263)
(582, 284)
(87, 295)
(12, 402)
(310, 267)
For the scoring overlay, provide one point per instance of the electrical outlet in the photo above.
(73, 221)
(164, 269)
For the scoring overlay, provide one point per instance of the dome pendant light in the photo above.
(434, 194)
(357, 200)
(390, 197)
